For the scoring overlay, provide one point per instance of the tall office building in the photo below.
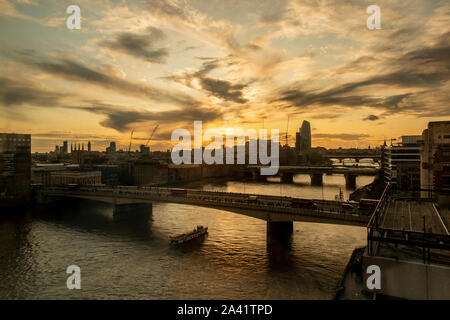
(111, 148)
(65, 147)
(297, 141)
(435, 156)
(305, 132)
(303, 138)
(15, 168)
(401, 164)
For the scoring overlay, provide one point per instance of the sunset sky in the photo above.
(229, 63)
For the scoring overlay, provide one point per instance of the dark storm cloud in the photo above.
(76, 71)
(326, 116)
(340, 136)
(357, 64)
(221, 89)
(16, 93)
(52, 135)
(139, 45)
(371, 117)
(306, 99)
(422, 68)
(120, 118)
(435, 56)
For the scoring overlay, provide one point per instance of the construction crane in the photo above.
(151, 136)
(287, 128)
(131, 139)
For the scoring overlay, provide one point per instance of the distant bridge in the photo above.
(316, 173)
(356, 157)
(279, 212)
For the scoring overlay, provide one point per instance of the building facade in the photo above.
(401, 163)
(435, 157)
(111, 148)
(303, 138)
(76, 177)
(41, 173)
(149, 172)
(109, 172)
(15, 167)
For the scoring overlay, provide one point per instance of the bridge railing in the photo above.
(217, 198)
(374, 222)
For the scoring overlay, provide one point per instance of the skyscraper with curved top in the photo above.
(305, 136)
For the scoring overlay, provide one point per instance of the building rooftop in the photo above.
(409, 215)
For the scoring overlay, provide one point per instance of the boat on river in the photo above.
(199, 231)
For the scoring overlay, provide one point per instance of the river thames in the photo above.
(134, 260)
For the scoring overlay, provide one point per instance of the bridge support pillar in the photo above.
(357, 160)
(132, 211)
(279, 230)
(350, 181)
(287, 177)
(316, 179)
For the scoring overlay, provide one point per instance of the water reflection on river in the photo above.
(133, 260)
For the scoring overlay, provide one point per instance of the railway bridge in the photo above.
(279, 212)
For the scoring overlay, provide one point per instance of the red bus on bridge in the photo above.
(303, 203)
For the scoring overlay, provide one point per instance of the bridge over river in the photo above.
(279, 212)
(316, 173)
(376, 157)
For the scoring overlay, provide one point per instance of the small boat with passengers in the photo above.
(185, 237)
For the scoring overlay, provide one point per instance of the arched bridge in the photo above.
(376, 157)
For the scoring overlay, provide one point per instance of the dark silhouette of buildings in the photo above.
(401, 163)
(15, 168)
(435, 159)
(303, 138)
(61, 150)
(111, 148)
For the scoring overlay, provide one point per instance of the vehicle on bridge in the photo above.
(303, 203)
(348, 205)
(73, 186)
(178, 192)
(252, 199)
(368, 205)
